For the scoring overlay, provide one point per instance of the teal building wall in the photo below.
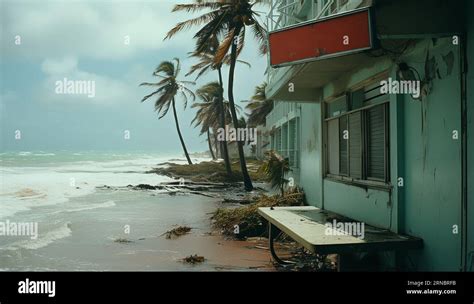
(423, 153)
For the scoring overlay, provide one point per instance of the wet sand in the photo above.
(140, 217)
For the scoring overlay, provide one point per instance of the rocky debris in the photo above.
(123, 241)
(177, 232)
(194, 259)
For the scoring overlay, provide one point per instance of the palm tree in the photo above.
(259, 106)
(206, 113)
(206, 62)
(227, 19)
(167, 89)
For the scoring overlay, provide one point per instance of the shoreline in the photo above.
(87, 230)
(90, 243)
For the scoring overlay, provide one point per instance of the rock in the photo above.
(145, 187)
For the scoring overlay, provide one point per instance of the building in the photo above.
(374, 107)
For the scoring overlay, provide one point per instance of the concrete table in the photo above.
(307, 226)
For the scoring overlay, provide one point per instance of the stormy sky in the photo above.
(117, 44)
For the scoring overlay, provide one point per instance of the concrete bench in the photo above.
(308, 226)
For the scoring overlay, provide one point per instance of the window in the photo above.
(333, 146)
(357, 138)
(285, 140)
(293, 142)
(343, 153)
(376, 143)
(278, 140)
(355, 145)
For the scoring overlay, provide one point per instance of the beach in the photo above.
(83, 226)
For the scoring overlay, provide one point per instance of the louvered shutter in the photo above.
(376, 134)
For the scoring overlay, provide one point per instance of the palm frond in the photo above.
(260, 35)
(225, 46)
(203, 19)
(194, 7)
(275, 168)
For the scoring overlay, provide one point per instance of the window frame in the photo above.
(364, 180)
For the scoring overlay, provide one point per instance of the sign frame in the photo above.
(371, 34)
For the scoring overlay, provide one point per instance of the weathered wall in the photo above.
(368, 205)
(310, 169)
(424, 153)
(432, 158)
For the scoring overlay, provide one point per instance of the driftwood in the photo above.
(207, 189)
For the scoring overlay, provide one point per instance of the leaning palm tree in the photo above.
(206, 63)
(227, 19)
(166, 90)
(208, 107)
(259, 106)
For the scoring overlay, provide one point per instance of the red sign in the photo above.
(328, 37)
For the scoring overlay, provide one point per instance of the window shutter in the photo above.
(297, 142)
(292, 140)
(376, 142)
(355, 145)
(284, 140)
(333, 146)
(343, 145)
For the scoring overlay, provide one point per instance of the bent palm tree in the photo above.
(167, 89)
(206, 63)
(227, 19)
(207, 109)
(259, 106)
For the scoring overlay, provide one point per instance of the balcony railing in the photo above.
(285, 13)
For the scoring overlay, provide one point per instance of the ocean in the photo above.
(55, 215)
(77, 222)
(36, 179)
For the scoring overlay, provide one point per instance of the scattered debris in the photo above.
(123, 241)
(209, 171)
(304, 261)
(245, 221)
(194, 259)
(177, 232)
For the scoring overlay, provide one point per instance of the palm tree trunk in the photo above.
(209, 143)
(179, 133)
(224, 150)
(243, 166)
